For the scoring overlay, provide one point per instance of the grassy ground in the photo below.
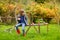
(53, 33)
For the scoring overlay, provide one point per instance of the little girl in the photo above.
(22, 20)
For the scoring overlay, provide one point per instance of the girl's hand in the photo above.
(18, 19)
(33, 23)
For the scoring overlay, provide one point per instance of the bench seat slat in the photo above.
(37, 24)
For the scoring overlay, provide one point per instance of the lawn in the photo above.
(53, 33)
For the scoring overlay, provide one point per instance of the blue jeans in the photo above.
(23, 26)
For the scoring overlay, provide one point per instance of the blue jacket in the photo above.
(23, 19)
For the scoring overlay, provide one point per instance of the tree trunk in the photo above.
(0, 19)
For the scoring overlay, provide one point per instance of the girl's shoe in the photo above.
(18, 31)
(24, 33)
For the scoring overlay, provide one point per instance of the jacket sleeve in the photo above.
(26, 21)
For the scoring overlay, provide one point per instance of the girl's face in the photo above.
(21, 13)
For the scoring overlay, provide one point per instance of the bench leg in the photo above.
(35, 28)
(47, 29)
(39, 28)
(28, 29)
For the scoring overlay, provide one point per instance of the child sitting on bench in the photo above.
(22, 20)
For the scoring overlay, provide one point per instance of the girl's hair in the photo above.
(21, 13)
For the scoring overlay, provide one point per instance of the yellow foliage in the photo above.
(37, 8)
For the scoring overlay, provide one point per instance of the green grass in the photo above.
(53, 33)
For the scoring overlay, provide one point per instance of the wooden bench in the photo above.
(29, 26)
(39, 24)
